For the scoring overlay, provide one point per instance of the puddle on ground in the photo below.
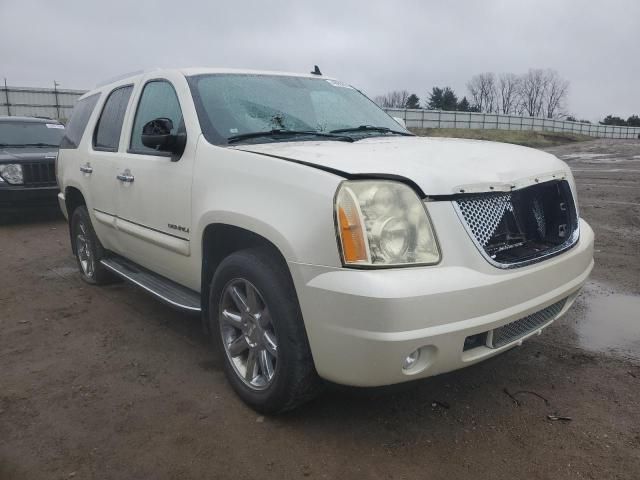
(609, 322)
(586, 156)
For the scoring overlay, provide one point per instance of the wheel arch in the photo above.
(73, 199)
(220, 240)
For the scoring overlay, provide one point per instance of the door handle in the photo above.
(125, 176)
(86, 168)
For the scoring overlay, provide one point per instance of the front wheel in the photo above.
(257, 325)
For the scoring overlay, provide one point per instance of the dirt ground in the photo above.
(104, 383)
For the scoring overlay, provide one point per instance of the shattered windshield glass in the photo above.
(230, 105)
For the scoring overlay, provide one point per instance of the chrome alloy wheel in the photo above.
(248, 334)
(83, 250)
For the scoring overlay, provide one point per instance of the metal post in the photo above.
(55, 91)
(6, 94)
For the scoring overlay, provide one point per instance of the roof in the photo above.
(240, 71)
(5, 118)
(191, 71)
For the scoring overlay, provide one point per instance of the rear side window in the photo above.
(158, 100)
(107, 133)
(79, 119)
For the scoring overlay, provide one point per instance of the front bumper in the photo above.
(362, 324)
(14, 199)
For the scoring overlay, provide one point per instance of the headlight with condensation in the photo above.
(383, 223)
(11, 173)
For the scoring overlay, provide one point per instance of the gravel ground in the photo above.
(108, 383)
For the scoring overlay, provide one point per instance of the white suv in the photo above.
(316, 236)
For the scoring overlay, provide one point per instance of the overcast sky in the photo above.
(375, 45)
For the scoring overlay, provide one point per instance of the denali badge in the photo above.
(178, 227)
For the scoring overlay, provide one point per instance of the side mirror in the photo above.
(400, 121)
(157, 134)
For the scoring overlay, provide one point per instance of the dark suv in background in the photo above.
(28, 150)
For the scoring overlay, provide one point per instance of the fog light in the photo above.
(411, 360)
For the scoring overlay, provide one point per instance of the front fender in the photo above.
(290, 205)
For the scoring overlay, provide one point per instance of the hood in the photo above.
(439, 166)
(28, 154)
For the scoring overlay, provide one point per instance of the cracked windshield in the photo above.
(233, 105)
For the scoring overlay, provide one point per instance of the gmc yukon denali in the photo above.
(315, 235)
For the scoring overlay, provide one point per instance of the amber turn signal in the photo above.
(352, 238)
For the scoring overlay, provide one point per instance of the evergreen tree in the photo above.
(413, 101)
(435, 99)
(613, 120)
(463, 105)
(633, 121)
(449, 99)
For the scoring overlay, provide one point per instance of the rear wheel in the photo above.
(257, 325)
(87, 249)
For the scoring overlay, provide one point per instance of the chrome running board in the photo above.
(162, 288)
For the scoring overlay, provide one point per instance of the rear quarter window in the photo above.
(78, 122)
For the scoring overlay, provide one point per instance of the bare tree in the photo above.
(380, 100)
(555, 94)
(533, 89)
(509, 92)
(543, 93)
(394, 99)
(536, 93)
(483, 90)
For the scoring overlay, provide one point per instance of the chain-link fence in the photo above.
(38, 102)
(445, 119)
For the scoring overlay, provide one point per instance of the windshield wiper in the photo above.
(282, 132)
(371, 128)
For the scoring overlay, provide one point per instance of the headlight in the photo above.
(383, 223)
(11, 173)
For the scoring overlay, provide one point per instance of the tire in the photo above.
(272, 319)
(87, 249)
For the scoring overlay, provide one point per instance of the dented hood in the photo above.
(439, 166)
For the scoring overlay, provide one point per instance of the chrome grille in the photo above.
(523, 226)
(483, 214)
(513, 331)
